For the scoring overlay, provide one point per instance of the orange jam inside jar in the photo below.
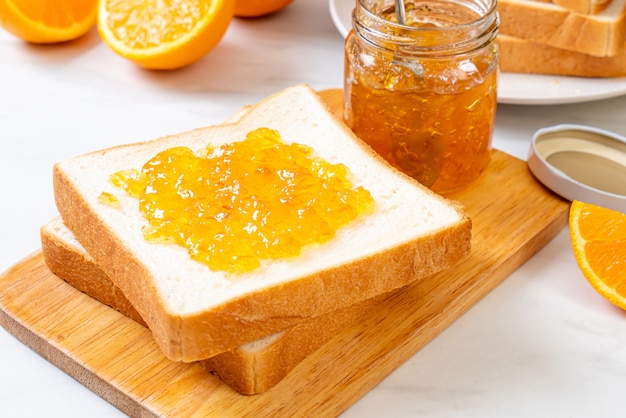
(424, 94)
(243, 202)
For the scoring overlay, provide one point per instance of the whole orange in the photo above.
(258, 8)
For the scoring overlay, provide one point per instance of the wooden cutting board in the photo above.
(513, 217)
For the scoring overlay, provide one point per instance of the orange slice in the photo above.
(258, 8)
(599, 242)
(164, 34)
(48, 21)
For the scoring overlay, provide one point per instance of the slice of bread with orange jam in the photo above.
(195, 312)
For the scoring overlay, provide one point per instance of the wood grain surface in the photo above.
(513, 217)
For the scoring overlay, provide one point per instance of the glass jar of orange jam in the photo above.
(423, 93)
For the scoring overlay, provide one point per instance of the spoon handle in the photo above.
(400, 12)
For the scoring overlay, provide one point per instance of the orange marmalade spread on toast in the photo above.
(245, 201)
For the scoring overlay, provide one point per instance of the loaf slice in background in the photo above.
(522, 56)
(195, 313)
(583, 6)
(580, 6)
(600, 34)
(251, 368)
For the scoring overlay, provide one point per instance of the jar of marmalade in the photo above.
(423, 93)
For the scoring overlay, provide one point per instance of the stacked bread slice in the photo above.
(250, 368)
(251, 329)
(585, 38)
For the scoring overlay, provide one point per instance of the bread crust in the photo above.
(258, 313)
(250, 371)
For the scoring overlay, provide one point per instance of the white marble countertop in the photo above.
(542, 344)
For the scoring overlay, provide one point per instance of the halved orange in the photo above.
(48, 21)
(164, 34)
(598, 238)
(258, 8)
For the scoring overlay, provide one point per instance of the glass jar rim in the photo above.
(485, 13)
(467, 35)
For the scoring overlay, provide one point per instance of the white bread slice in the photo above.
(601, 34)
(580, 6)
(251, 368)
(195, 313)
(583, 6)
(522, 56)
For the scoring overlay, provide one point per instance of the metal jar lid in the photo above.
(581, 163)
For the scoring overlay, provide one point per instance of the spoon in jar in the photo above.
(400, 12)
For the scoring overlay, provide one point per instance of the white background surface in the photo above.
(542, 344)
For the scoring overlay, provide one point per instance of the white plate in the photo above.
(524, 89)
